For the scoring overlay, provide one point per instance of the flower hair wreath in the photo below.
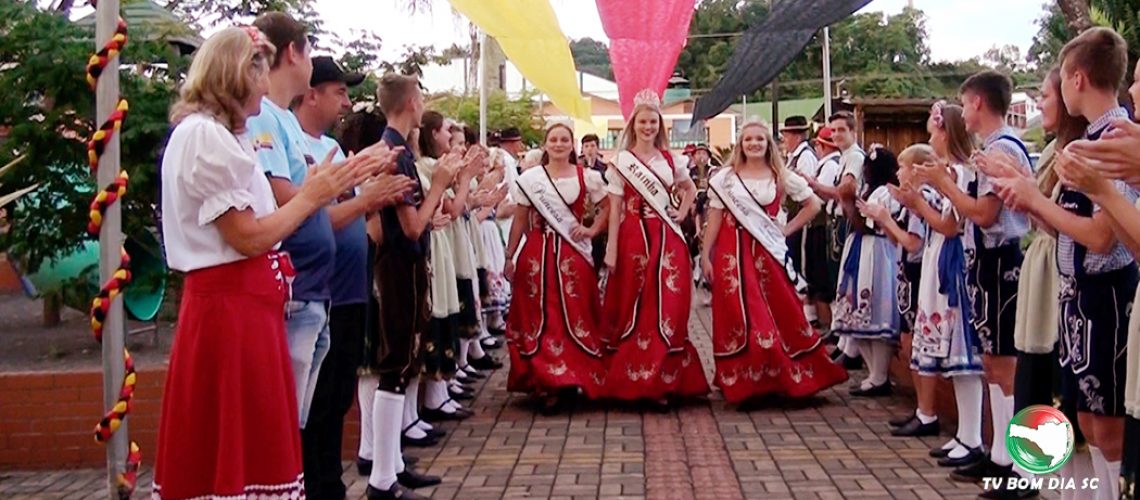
(936, 113)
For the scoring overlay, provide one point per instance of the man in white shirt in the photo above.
(801, 157)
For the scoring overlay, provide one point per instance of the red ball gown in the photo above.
(647, 302)
(762, 343)
(553, 334)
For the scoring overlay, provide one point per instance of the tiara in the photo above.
(647, 97)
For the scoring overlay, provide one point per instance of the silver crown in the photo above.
(647, 97)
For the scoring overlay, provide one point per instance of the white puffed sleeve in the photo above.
(220, 172)
(595, 186)
(517, 195)
(882, 196)
(796, 187)
(615, 184)
(680, 167)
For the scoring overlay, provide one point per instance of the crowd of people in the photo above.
(379, 252)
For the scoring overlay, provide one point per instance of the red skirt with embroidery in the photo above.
(647, 303)
(762, 343)
(552, 330)
(229, 411)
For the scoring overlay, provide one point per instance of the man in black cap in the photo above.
(700, 170)
(317, 111)
(511, 142)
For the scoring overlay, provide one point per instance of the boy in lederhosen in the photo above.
(401, 287)
(1098, 274)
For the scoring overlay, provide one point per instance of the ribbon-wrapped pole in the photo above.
(107, 320)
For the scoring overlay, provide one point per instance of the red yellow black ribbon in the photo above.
(101, 305)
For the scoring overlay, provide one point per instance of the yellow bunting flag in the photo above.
(529, 34)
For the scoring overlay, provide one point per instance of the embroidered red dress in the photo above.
(552, 331)
(648, 297)
(762, 343)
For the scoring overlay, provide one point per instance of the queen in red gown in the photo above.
(553, 336)
(650, 285)
(762, 343)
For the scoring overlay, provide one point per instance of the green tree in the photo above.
(593, 57)
(50, 110)
(502, 112)
(1056, 26)
(712, 36)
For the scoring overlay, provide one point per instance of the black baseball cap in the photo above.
(326, 70)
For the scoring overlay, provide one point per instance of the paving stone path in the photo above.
(830, 447)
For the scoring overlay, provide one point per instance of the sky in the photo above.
(956, 29)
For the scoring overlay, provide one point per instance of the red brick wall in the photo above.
(47, 420)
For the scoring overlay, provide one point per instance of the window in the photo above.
(610, 141)
(682, 134)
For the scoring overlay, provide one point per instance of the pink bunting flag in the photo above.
(646, 36)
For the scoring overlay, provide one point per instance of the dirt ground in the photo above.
(26, 345)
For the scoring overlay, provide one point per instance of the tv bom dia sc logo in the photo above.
(1040, 439)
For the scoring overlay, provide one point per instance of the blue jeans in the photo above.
(307, 333)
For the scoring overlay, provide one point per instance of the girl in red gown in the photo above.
(762, 343)
(649, 292)
(552, 331)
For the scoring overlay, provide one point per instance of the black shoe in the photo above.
(498, 332)
(412, 479)
(436, 415)
(903, 420)
(975, 472)
(470, 374)
(491, 343)
(940, 452)
(883, 389)
(915, 428)
(460, 395)
(363, 466)
(423, 442)
(409, 460)
(484, 363)
(973, 455)
(397, 491)
(436, 433)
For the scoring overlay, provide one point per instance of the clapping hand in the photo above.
(1075, 173)
(1019, 192)
(326, 181)
(440, 220)
(446, 168)
(386, 190)
(998, 164)
(874, 211)
(1114, 156)
(475, 162)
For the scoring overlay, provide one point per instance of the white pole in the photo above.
(110, 243)
(482, 88)
(826, 73)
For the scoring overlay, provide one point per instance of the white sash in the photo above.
(648, 185)
(544, 197)
(754, 219)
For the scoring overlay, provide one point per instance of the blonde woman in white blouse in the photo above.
(229, 410)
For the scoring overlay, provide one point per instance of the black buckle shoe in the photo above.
(460, 395)
(484, 363)
(470, 375)
(422, 442)
(491, 343)
(974, 473)
(915, 428)
(409, 460)
(940, 452)
(972, 455)
(903, 420)
(883, 389)
(412, 479)
(397, 491)
(434, 415)
(436, 433)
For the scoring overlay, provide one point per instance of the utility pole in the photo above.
(482, 88)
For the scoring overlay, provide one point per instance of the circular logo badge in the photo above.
(1040, 439)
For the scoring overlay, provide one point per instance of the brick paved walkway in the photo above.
(831, 447)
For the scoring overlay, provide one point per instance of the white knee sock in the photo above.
(968, 396)
(1110, 483)
(365, 394)
(476, 350)
(850, 346)
(436, 395)
(411, 410)
(998, 452)
(1079, 467)
(464, 348)
(1100, 471)
(881, 352)
(387, 414)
